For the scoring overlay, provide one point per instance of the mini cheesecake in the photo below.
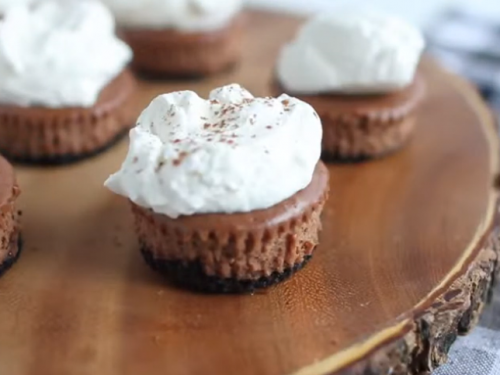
(226, 192)
(61, 104)
(10, 237)
(180, 38)
(360, 70)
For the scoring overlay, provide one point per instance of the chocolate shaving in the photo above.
(160, 165)
(180, 159)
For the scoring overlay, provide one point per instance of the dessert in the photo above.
(359, 70)
(186, 38)
(10, 244)
(216, 204)
(65, 89)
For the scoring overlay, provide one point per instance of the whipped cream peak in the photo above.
(351, 51)
(230, 153)
(182, 15)
(231, 94)
(58, 53)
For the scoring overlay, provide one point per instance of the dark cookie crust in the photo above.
(191, 276)
(337, 158)
(16, 248)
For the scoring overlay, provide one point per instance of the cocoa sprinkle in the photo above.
(180, 159)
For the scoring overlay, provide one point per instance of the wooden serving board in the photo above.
(407, 258)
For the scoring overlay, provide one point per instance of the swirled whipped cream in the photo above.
(231, 153)
(183, 15)
(6, 4)
(58, 53)
(352, 52)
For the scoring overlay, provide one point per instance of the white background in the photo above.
(420, 12)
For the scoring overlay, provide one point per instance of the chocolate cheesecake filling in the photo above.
(10, 243)
(57, 135)
(170, 53)
(235, 252)
(357, 127)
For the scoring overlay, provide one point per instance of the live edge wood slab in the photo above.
(408, 256)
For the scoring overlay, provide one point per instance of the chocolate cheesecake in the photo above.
(360, 70)
(10, 237)
(241, 252)
(226, 191)
(169, 53)
(359, 127)
(67, 92)
(61, 135)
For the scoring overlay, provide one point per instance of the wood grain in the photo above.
(407, 257)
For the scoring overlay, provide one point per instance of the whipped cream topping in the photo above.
(6, 4)
(58, 53)
(182, 15)
(231, 153)
(351, 52)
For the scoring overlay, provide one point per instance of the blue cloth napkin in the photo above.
(469, 45)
